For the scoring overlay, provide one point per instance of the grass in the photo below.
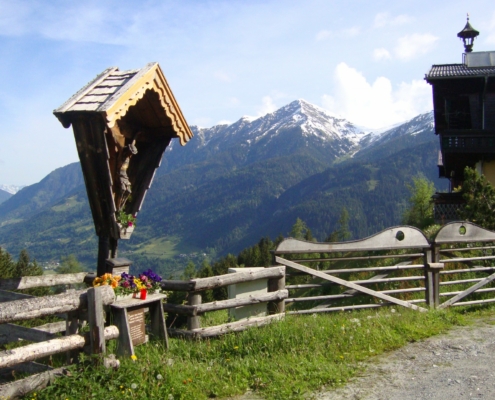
(69, 203)
(286, 360)
(162, 248)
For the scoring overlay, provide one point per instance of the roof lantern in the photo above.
(467, 35)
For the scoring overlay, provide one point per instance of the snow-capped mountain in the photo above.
(312, 121)
(415, 126)
(12, 189)
(295, 128)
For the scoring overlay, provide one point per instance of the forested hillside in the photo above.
(295, 163)
(4, 195)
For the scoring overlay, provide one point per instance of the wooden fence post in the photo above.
(429, 290)
(96, 321)
(193, 299)
(435, 269)
(72, 328)
(275, 284)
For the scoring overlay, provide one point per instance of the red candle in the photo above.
(143, 294)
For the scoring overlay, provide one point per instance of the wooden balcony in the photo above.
(467, 141)
(447, 207)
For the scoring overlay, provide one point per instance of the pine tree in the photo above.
(26, 267)
(69, 265)
(420, 213)
(479, 195)
(189, 271)
(205, 272)
(7, 265)
(343, 231)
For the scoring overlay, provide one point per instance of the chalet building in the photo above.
(464, 113)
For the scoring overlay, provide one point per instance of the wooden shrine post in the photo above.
(122, 122)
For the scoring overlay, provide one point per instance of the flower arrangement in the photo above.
(126, 220)
(129, 284)
(107, 279)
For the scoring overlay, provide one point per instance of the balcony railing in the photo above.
(468, 141)
(447, 207)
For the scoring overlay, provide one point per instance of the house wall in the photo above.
(487, 169)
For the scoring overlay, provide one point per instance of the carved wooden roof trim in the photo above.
(113, 92)
(149, 78)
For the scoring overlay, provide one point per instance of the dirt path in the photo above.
(457, 365)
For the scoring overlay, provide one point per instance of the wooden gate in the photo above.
(394, 253)
(468, 253)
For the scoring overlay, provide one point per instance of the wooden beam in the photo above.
(350, 292)
(213, 282)
(96, 320)
(12, 333)
(30, 384)
(345, 283)
(28, 282)
(225, 328)
(467, 292)
(34, 351)
(20, 310)
(225, 304)
(238, 277)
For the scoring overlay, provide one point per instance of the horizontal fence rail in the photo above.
(274, 299)
(73, 306)
(458, 259)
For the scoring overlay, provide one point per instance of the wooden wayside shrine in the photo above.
(122, 122)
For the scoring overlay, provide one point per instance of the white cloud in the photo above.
(234, 101)
(224, 122)
(378, 104)
(354, 31)
(223, 76)
(381, 54)
(324, 34)
(349, 32)
(413, 45)
(385, 19)
(267, 106)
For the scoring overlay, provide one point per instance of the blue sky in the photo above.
(362, 60)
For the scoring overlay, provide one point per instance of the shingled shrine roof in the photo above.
(113, 92)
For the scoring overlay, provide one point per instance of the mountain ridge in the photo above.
(231, 186)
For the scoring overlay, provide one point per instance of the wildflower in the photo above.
(133, 386)
(170, 397)
(159, 377)
(133, 357)
(236, 347)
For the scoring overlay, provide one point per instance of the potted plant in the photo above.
(126, 223)
(130, 286)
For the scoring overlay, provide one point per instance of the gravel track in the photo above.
(457, 365)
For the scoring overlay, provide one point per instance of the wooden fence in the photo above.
(398, 266)
(73, 306)
(468, 253)
(195, 308)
